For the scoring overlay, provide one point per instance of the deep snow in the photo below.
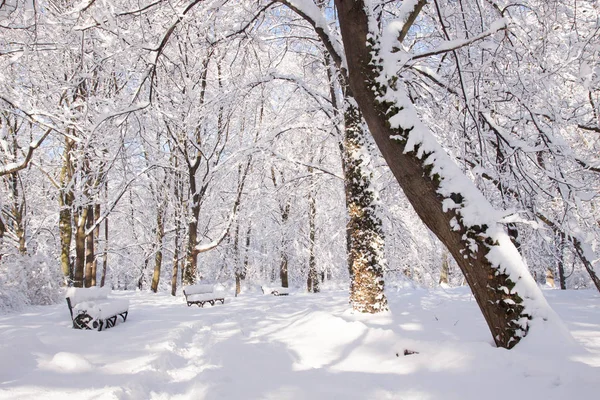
(300, 346)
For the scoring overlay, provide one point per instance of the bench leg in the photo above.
(82, 321)
(124, 315)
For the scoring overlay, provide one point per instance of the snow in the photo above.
(80, 295)
(278, 289)
(103, 309)
(201, 297)
(306, 346)
(198, 289)
(93, 301)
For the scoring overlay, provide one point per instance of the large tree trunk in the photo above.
(366, 260)
(469, 244)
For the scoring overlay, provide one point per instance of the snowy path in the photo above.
(296, 347)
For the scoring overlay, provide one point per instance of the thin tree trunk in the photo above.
(283, 269)
(312, 281)
(561, 261)
(2, 232)
(97, 209)
(191, 259)
(18, 212)
(142, 278)
(81, 218)
(175, 269)
(236, 259)
(160, 233)
(65, 224)
(104, 254)
(284, 209)
(246, 251)
(90, 270)
(445, 271)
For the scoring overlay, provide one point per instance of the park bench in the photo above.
(91, 308)
(201, 294)
(276, 291)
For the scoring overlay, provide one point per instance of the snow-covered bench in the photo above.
(200, 294)
(91, 308)
(276, 291)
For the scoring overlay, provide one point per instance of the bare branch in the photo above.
(410, 20)
(457, 44)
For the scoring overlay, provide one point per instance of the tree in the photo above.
(443, 197)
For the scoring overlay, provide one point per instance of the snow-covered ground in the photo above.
(301, 346)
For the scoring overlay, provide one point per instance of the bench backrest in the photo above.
(278, 289)
(198, 289)
(80, 295)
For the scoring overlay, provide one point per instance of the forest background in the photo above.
(150, 144)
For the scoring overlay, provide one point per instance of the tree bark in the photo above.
(365, 260)
(90, 270)
(366, 232)
(312, 282)
(191, 259)
(160, 233)
(104, 254)
(445, 271)
(561, 260)
(65, 224)
(236, 259)
(97, 210)
(79, 267)
(284, 209)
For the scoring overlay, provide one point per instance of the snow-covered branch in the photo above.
(17, 166)
(459, 43)
(309, 11)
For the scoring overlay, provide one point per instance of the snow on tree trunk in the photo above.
(443, 197)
